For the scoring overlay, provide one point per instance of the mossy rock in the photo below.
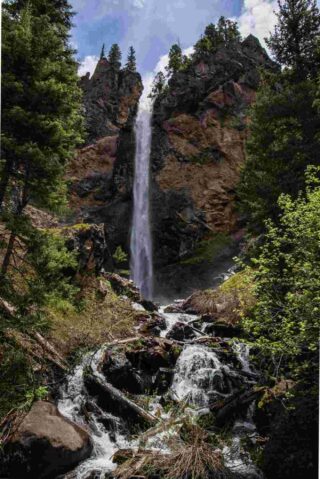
(208, 250)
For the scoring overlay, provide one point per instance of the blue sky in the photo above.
(152, 26)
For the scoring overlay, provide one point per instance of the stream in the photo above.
(201, 376)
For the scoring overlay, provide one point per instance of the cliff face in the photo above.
(111, 98)
(199, 130)
(200, 127)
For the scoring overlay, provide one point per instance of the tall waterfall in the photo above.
(141, 245)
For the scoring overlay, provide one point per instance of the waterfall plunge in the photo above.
(141, 246)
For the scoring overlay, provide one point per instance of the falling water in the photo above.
(141, 246)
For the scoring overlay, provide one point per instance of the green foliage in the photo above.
(284, 139)
(114, 56)
(285, 320)
(16, 377)
(295, 40)
(41, 273)
(208, 249)
(120, 256)
(158, 86)
(131, 65)
(225, 33)
(175, 59)
(41, 124)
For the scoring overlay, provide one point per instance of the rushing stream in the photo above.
(200, 377)
(141, 246)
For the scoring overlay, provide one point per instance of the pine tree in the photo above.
(285, 122)
(131, 60)
(175, 59)
(158, 85)
(226, 33)
(102, 54)
(41, 123)
(114, 56)
(296, 37)
(284, 126)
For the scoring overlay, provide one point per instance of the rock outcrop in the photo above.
(199, 131)
(110, 99)
(96, 174)
(200, 125)
(46, 444)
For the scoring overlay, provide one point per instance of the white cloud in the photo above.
(258, 18)
(88, 65)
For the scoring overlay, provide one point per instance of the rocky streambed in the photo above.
(180, 386)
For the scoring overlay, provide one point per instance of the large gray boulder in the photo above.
(45, 444)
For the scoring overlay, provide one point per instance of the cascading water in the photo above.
(141, 245)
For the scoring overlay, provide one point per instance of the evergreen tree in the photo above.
(285, 122)
(283, 141)
(102, 54)
(296, 37)
(175, 59)
(158, 85)
(228, 31)
(114, 56)
(131, 61)
(41, 124)
(225, 33)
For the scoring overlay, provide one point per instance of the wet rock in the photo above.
(223, 330)
(120, 372)
(163, 380)
(172, 308)
(181, 332)
(46, 444)
(153, 325)
(152, 355)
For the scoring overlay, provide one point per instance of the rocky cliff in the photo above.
(200, 124)
(199, 132)
(110, 100)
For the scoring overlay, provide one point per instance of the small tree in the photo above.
(102, 54)
(131, 65)
(228, 31)
(285, 321)
(158, 85)
(114, 56)
(175, 59)
(295, 40)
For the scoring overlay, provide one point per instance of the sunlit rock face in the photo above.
(200, 128)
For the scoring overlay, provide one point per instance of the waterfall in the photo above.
(141, 245)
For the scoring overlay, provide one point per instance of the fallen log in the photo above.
(113, 400)
(229, 408)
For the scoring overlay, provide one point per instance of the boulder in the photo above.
(223, 330)
(181, 331)
(152, 355)
(123, 375)
(46, 444)
(152, 325)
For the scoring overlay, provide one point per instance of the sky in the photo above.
(152, 26)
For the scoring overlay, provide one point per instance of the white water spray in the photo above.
(141, 245)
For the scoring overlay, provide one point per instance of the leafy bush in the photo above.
(285, 320)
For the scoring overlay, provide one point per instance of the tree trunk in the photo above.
(6, 260)
(115, 401)
(5, 180)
